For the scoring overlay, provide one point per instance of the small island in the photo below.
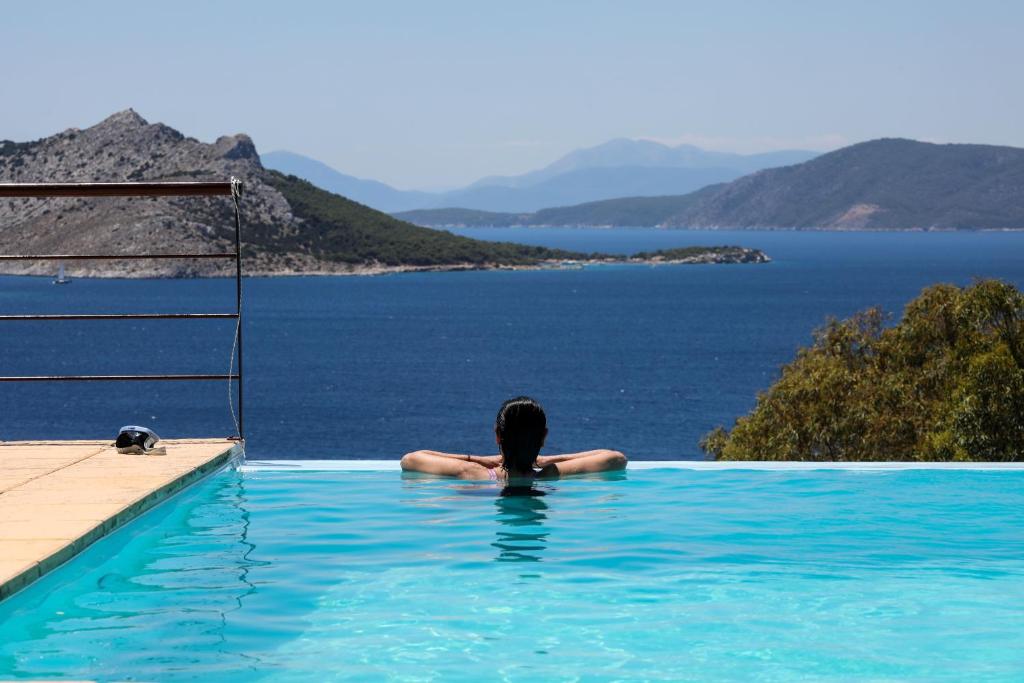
(680, 255)
(671, 257)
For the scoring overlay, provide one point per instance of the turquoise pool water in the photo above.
(651, 575)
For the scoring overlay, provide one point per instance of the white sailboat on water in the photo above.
(61, 280)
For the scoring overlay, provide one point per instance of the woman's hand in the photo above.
(488, 461)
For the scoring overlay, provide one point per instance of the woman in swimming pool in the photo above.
(519, 431)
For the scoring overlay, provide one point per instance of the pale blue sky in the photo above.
(439, 93)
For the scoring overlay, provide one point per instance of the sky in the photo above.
(436, 94)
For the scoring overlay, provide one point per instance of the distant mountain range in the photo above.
(290, 226)
(627, 153)
(369, 192)
(881, 184)
(618, 168)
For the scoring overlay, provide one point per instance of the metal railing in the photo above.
(231, 188)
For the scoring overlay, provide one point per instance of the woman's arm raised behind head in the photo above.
(582, 463)
(444, 464)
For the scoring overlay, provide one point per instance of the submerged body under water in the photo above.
(637, 358)
(641, 575)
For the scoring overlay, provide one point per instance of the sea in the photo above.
(643, 359)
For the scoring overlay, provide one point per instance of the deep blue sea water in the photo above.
(642, 359)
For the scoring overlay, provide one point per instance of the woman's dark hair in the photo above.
(521, 426)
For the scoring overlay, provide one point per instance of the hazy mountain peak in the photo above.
(616, 152)
(620, 167)
(619, 144)
(641, 153)
(369, 192)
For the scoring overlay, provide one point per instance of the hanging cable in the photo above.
(236, 343)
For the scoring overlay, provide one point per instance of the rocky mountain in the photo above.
(289, 226)
(892, 184)
(619, 168)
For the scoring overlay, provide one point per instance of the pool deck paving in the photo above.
(59, 497)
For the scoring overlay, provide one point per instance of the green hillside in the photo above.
(338, 229)
(882, 184)
(627, 212)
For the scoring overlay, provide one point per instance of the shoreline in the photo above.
(709, 258)
(663, 228)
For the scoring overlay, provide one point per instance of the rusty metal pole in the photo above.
(190, 189)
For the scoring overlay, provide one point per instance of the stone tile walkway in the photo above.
(57, 498)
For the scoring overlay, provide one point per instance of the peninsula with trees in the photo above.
(290, 225)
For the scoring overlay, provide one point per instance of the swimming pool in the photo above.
(646, 575)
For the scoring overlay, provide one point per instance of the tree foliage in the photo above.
(339, 229)
(945, 383)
